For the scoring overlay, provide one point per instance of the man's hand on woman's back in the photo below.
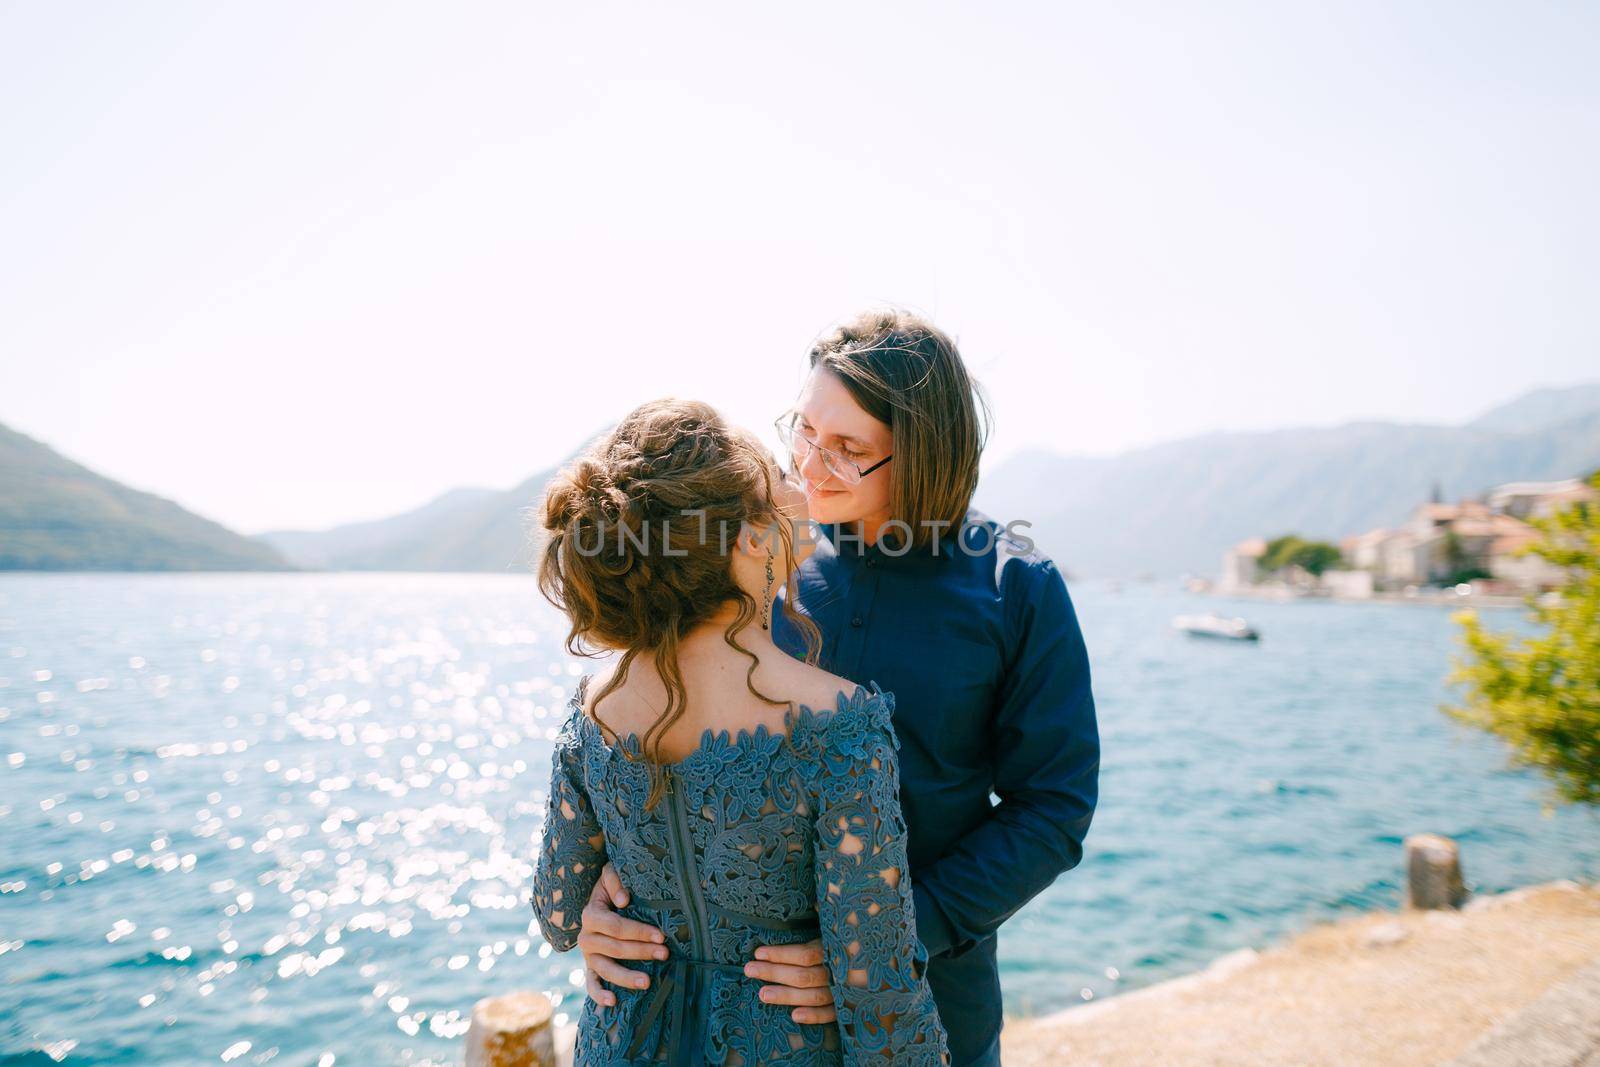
(607, 937)
(795, 974)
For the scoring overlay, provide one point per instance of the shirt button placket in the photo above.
(860, 604)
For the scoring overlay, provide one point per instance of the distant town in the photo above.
(1472, 548)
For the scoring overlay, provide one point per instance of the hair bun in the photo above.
(639, 529)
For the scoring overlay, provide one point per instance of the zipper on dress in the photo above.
(688, 872)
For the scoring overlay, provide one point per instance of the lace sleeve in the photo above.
(864, 903)
(574, 846)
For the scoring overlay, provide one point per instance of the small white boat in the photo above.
(1213, 625)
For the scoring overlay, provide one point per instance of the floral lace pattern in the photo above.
(763, 838)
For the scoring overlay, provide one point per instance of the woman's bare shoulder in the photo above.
(811, 686)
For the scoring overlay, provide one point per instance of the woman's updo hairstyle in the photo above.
(639, 540)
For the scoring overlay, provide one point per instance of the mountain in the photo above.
(57, 515)
(370, 545)
(462, 530)
(1168, 509)
(1174, 508)
(1541, 408)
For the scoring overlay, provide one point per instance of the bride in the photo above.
(743, 796)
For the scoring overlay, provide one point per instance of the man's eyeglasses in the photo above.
(799, 445)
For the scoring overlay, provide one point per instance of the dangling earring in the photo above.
(766, 599)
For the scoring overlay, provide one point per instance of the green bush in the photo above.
(1542, 694)
(1294, 550)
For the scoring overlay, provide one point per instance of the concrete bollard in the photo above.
(1433, 872)
(512, 1031)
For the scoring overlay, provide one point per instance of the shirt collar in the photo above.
(851, 549)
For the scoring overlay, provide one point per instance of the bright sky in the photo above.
(293, 265)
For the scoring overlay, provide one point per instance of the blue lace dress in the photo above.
(763, 838)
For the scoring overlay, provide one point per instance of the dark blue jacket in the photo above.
(1000, 750)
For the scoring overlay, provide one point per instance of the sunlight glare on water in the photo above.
(292, 818)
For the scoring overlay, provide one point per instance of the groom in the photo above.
(973, 631)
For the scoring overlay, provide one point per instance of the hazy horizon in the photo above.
(990, 459)
(293, 268)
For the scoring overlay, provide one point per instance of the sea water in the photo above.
(292, 818)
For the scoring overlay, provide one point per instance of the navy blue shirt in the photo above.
(1000, 750)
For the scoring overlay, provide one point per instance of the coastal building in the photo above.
(1441, 540)
(1365, 551)
(1473, 539)
(1349, 584)
(1521, 571)
(1523, 499)
(1241, 565)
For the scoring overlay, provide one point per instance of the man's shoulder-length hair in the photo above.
(907, 373)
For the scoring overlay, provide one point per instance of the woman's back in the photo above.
(721, 692)
(731, 823)
(765, 835)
